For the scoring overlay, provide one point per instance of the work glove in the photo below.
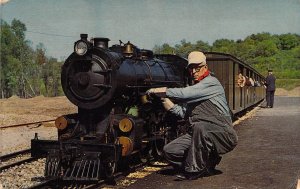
(167, 103)
(161, 91)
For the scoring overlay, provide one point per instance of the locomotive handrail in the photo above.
(103, 71)
(142, 86)
(157, 81)
(163, 69)
(150, 73)
(102, 85)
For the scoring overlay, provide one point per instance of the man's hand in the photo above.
(160, 90)
(167, 103)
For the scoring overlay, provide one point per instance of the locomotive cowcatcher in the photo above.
(116, 120)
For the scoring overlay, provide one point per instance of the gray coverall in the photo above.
(209, 115)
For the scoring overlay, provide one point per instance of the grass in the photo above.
(287, 84)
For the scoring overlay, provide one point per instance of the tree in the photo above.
(24, 70)
(202, 46)
(261, 36)
(183, 48)
(266, 48)
(288, 41)
(164, 49)
(224, 45)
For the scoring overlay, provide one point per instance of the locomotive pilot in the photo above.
(196, 153)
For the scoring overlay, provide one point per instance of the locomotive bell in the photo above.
(128, 51)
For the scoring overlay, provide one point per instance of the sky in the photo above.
(146, 23)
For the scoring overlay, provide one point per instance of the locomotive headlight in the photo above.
(81, 47)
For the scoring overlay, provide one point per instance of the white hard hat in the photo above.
(197, 57)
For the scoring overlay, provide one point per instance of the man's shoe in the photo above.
(213, 171)
(191, 175)
(214, 162)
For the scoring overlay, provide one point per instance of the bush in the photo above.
(287, 84)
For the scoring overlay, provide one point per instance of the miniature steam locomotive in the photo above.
(116, 120)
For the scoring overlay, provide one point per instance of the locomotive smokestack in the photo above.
(83, 36)
(101, 42)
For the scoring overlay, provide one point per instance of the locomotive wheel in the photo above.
(157, 148)
(144, 158)
(109, 169)
(145, 155)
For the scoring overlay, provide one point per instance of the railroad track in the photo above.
(56, 183)
(26, 124)
(5, 159)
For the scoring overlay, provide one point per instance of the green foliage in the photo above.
(12, 73)
(287, 84)
(288, 41)
(262, 51)
(22, 70)
(223, 45)
(164, 49)
(181, 49)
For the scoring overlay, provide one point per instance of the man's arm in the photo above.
(178, 110)
(203, 90)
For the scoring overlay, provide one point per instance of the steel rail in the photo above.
(31, 159)
(26, 124)
(45, 184)
(14, 154)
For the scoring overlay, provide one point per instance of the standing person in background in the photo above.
(270, 88)
(205, 108)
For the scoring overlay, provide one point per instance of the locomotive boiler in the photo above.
(115, 119)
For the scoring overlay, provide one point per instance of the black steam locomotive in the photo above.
(116, 120)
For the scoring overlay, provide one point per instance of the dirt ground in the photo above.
(15, 110)
(293, 93)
